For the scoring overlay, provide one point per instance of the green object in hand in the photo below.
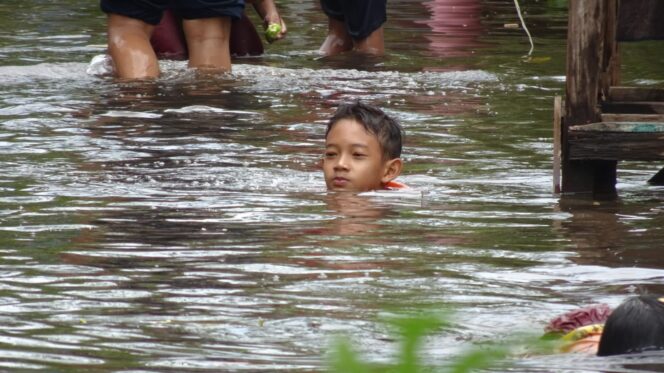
(272, 32)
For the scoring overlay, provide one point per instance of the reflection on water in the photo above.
(456, 27)
(183, 224)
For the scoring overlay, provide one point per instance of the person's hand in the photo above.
(275, 27)
(268, 11)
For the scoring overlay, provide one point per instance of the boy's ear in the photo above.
(392, 170)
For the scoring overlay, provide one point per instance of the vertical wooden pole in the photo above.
(606, 171)
(610, 58)
(587, 63)
(557, 132)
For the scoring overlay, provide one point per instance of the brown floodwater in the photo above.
(183, 224)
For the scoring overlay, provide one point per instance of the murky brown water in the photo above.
(183, 225)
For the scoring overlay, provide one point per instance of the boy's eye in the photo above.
(330, 154)
(359, 155)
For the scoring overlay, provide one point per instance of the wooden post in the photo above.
(557, 132)
(589, 59)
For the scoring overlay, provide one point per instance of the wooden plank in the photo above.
(615, 146)
(624, 117)
(633, 107)
(622, 93)
(651, 127)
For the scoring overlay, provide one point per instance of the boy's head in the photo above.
(362, 149)
(636, 325)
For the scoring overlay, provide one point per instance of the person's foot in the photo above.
(337, 40)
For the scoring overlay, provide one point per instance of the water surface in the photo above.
(183, 225)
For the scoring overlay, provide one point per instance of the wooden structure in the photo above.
(600, 121)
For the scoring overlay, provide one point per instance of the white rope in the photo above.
(523, 24)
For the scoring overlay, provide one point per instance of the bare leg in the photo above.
(208, 42)
(337, 40)
(372, 44)
(129, 46)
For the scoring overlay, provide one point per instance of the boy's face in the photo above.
(353, 159)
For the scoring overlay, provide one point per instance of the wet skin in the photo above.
(133, 56)
(338, 41)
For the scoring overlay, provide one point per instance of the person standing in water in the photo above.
(168, 40)
(206, 24)
(354, 25)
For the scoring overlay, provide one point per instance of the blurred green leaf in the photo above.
(345, 359)
(477, 359)
(410, 332)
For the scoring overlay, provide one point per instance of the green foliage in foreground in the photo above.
(411, 330)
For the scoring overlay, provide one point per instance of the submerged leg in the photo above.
(337, 40)
(373, 44)
(208, 42)
(129, 46)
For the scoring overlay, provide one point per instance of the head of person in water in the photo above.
(362, 149)
(636, 325)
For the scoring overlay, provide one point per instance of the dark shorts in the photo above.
(150, 11)
(362, 17)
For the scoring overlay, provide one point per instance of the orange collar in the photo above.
(395, 185)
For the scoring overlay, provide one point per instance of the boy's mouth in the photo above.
(339, 181)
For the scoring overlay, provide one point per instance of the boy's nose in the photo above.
(342, 163)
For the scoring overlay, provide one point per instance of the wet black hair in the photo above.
(636, 325)
(376, 122)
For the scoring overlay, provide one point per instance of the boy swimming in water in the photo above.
(362, 149)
